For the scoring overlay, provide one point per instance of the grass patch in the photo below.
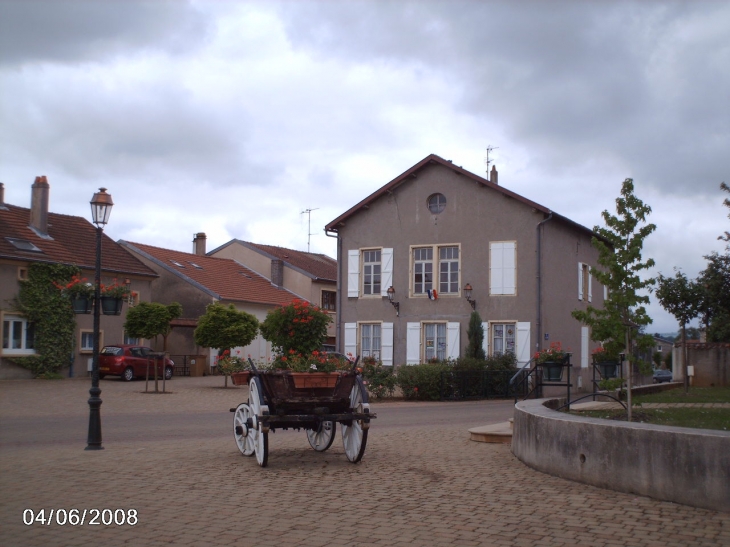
(696, 395)
(700, 418)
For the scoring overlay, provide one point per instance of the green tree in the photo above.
(225, 327)
(300, 327)
(475, 334)
(715, 307)
(149, 320)
(619, 246)
(682, 298)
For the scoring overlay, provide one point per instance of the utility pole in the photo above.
(308, 212)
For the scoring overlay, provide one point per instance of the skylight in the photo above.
(195, 265)
(176, 263)
(23, 245)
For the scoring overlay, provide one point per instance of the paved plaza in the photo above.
(424, 484)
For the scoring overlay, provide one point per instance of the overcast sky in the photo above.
(231, 118)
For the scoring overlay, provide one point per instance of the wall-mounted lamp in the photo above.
(391, 295)
(467, 295)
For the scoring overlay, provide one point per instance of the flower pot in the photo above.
(315, 379)
(111, 306)
(81, 304)
(607, 369)
(240, 378)
(552, 372)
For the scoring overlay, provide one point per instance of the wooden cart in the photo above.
(315, 402)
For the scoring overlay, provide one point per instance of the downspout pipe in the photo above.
(538, 343)
(338, 311)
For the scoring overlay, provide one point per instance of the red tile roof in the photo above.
(72, 241)
(225, 278)
(321, 267)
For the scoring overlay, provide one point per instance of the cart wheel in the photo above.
(260, 433)
(321, 439)
(355, 436)
(242, 433)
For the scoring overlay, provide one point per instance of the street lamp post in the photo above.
(101, 208)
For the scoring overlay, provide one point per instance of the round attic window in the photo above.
(436, 203)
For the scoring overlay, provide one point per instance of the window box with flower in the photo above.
(112, 297)
(552, 361)
(607, 362)
(80, 292)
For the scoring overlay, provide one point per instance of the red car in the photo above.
(130, 361)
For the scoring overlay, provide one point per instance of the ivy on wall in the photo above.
(42, 303)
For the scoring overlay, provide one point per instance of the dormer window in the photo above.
(436, 203)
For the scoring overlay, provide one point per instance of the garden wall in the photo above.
(682, 465)
(711, 362)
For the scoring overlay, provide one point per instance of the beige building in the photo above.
(433, 232)
(311, 276)
(36, 235)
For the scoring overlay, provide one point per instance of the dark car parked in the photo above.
(661, 375)
(131, 361)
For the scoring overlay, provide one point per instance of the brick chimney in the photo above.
(493, 175)
(277, 272)
(2, 195)
(199, 244)
(40, 192)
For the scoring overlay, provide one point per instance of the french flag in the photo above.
(433, 295)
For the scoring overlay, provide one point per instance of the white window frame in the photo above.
(89, 348)
(334, 300)
(492, 330)
(435, 270)
(503, 268)
(370, 327)
(375, 264)
(415, 341)
(11, 320)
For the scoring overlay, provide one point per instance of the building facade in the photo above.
(437, 230)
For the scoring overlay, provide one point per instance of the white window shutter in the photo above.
(523, 343)
(495, 268)
(580, 281)
(386, 270)
(485, 342)
(452, 340)
(509, 281)
(590, 286)
(386, 344)
(353, 273)
(413, 343)
(351, 339)
(584, 332)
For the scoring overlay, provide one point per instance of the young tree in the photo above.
(682, 298)
(475, 333)
(715, 307)
(151, 319)
(224, 327)
(300, 327)
(619, 247)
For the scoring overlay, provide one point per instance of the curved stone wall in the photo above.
(683, 465)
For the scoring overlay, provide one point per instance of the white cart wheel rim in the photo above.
(354, 438)
(260, 439)
(245, 442)
(321, 439)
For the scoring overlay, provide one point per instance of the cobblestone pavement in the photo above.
(420, 486)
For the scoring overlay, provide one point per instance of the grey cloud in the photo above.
(84, 30)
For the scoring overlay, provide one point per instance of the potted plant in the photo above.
(552, 361)
(112, 297)
(606, 361)
(235, 367)
(80, 292)
(316, 369)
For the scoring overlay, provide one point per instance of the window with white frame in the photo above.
(448, 270)
(447, 265)
(422, 270)
(371, 272)
(370, 339)
(18, 335)
(503, 338)
(87, 341)
(434, 341)
(502, 268)
(130, 340)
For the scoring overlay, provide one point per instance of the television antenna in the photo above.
(308, 212)
(489, 149)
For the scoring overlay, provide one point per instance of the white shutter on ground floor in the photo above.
(351, 339)
(584, 337)
(452, 340)
(485, 342)
(413, 343)
(523, 343)
(386, 344)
